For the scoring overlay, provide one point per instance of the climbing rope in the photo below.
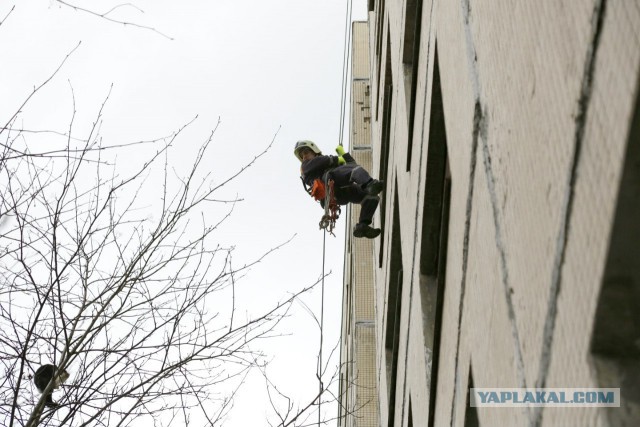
(345, 69)
(319, 373)
(332, 210)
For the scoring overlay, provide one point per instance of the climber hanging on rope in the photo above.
(351, 183)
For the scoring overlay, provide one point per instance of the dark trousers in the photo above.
(349, 180)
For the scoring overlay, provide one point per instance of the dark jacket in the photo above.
(346, 190)
(315, 168)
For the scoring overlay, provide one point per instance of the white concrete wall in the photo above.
(538, 99)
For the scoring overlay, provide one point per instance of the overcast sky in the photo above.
(256, 65)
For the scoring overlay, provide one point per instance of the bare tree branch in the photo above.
(7, 15)
(105, 15)
(35, 90)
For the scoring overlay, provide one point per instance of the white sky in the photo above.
(257, 65)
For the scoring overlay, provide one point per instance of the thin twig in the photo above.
(117, 21)
(7, 15)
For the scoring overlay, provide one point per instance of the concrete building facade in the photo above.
(508, 135)
(358, 404)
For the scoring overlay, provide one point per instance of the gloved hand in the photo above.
(341, 161)
(340, 151)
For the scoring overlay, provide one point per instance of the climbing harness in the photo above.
(331, 208)
(322, 190)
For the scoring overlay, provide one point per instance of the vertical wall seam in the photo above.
(465, 248)
(477, 116)
(503, 255)
(480, 132)
(597, 21)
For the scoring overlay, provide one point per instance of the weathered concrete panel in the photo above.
(538, 101)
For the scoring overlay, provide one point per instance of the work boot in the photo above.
(365, 230)
(374, 187)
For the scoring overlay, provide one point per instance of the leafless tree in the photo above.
(333, 390)
(292, 412)
(138, 308)
(134, 299)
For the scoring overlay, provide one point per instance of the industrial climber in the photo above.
(351, 182)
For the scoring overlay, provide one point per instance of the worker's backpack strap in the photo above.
(304, 185)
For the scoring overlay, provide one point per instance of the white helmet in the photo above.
(305, 144)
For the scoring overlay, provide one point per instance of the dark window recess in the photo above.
(410, 60)
(379, 33)
(435, 180)
(394, 308)
(379, 19)
(435, 230)
(410, 413)
(384, 149)
(471, 413)
(371, 5)
(615, 343)
(383, 79)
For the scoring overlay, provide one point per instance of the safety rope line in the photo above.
(346, 53)
(320, 384)
(331, 208)
(345, 58)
